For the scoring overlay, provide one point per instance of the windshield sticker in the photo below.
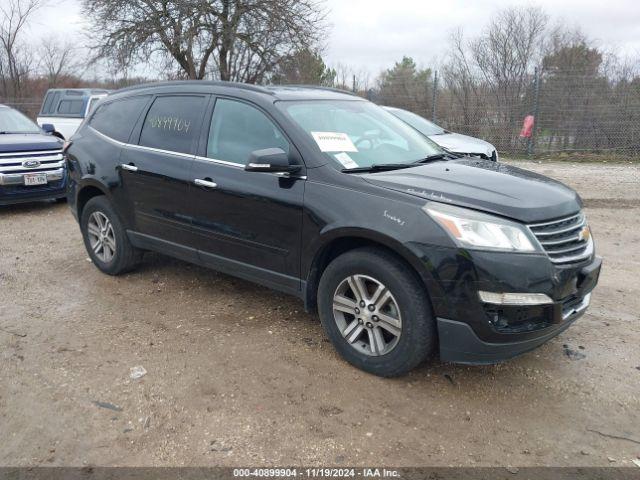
(334, 142)
(346, 160)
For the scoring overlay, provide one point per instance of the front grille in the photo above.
(15, 165)
(30, 162)
(566, 240)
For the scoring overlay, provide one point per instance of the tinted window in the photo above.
(172, 123)
(71, 107)
(238, 129)
(47, 103)
(52, 103)
(116, 119)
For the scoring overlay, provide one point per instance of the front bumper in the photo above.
(459, 344)
(517, 329)
(13, 190)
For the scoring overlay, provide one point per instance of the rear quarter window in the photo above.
(48, 100)
(71, 107)
(173, 123)
(51, 103)
(116, 119)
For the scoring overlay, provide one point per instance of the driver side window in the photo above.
(237, 129)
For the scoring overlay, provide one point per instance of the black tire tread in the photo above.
(422, 344)
(127, 256)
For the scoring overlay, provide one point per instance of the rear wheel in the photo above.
(105, 238)
(376, 312)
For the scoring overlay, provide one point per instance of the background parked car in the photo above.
(31, 162)
(454, 142)
(66, 108)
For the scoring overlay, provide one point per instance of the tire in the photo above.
(408, 302)
(124, 257)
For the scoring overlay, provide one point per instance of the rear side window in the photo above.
(51, 103)
(116, 119)
(71, 107)
(238, 129)
(47, 102)
(172, 123)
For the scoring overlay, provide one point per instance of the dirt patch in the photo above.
(240, 375)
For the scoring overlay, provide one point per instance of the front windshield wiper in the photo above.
(436, 156)
(378, 167)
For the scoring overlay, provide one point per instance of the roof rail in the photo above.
(318, 87)
(216, 83)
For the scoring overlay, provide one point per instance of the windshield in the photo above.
(12, 121)
(356, 134)
(421, 124)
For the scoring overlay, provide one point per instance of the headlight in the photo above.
(471, 229)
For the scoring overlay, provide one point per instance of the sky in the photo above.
(370, 35)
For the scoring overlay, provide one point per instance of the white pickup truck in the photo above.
(66, 108)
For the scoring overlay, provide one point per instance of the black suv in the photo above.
(403, 249)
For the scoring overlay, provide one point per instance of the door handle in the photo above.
(131, 168)
(207, 183)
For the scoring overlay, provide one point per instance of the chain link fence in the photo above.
(574, 113)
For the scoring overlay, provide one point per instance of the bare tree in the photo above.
(239, 40)
(510, 46)
(497, 66)
(15, 59)
(57, 59)
(461, 79)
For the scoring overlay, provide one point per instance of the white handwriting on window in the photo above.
(170, 123)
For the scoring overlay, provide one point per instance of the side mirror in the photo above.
(48, 128)
(274, 160)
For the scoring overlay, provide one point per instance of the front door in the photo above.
(246, 223)
(156, 171)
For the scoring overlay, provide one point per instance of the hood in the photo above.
(28, 142)
(484, 185)
(458, 143)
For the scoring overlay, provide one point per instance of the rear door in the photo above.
(156, 171)
(246, 223)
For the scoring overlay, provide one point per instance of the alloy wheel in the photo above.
(367, 315)
(101, 236)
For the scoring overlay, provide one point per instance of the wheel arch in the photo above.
(338, 243)
(86, 193)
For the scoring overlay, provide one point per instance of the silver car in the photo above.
(453, 142)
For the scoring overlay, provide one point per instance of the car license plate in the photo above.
(35, 179)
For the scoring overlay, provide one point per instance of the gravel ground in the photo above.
(239, 375)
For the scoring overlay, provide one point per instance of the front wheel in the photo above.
(376, 312)
(105, 238)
